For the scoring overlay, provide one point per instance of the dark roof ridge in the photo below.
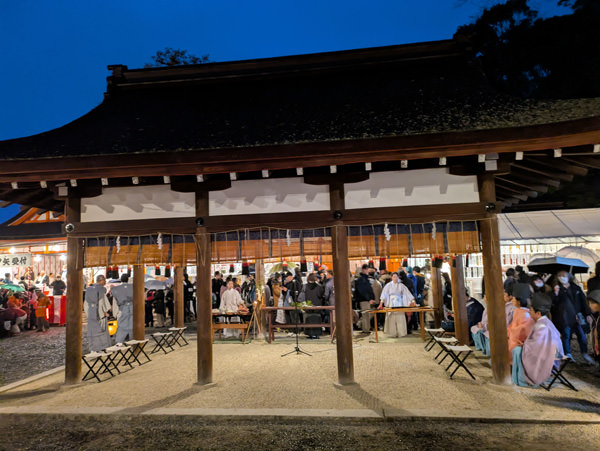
(123, 76)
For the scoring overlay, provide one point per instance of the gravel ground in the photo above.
(98, 433)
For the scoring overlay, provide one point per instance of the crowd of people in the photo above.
(23, 303)
(543, 312)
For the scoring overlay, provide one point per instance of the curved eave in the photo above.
(273, 157)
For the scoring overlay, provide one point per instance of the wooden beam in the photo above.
(343, 297)
(527, 178)
(505, 188)
(274, 157)
(139, 298)
(178, 296)
(588, 162)
(75, 260)
(436, 293)
(545, 173)
(494, 289)
(514, 194)
(203, 295)
(538, 188)
(402, 215)
(459, 304)
(559, 164)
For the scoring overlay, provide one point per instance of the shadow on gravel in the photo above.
(26, 394)
(164, 402)
(356, 392)
(565, 402)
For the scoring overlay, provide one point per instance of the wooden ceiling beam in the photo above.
(527, 177)
(588, 162)
(528, 193)
(559, 164)
(546, 173)
(519, 196)
(538, 188)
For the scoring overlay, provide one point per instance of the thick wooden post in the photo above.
(494, 289)
(343, 298)
(178, 295)
(75, 254)
(203, 294)
(459, 303)
(436, 293)
(139, 298)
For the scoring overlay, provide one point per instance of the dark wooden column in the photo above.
(494, 289)
(343, 298)
(204, 294)
(436, 293)
(139, 298)
(459, 303)
(178, 295)
(75, 254)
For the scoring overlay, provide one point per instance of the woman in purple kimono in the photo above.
(533, 362)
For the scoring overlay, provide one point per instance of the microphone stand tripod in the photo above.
(297, 349)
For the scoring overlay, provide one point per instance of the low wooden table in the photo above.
(242, 325)
(272, 326)
(420, 310)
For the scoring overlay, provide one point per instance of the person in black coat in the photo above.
(313, 292)
(593, 283)
(569, 310)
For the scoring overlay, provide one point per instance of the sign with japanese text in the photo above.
(20, 260)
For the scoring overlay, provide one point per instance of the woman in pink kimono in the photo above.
(522, 324)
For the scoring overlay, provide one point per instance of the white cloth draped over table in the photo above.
(395, 322)
(96, 306)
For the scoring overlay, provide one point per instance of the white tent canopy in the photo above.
(581, 223)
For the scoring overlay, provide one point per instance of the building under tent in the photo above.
(373, 153)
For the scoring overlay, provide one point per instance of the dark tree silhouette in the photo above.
(175, 57)
(555, 57)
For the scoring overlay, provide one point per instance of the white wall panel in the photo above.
(418, 187)
(268, 196)
(138, 202)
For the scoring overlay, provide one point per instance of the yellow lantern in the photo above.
(112, 327)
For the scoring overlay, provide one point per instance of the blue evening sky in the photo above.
(55, 52)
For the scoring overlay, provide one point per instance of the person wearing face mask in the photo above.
(538, 285)
(569, 309)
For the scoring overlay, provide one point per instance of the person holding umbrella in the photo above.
(569, 309)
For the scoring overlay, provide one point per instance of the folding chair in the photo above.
(557, 374)
(432, 334)
(177, 335)
(163, 340)
(443, 342)
(136, 347)
(96, 362)
(120, 353)
(459, 354)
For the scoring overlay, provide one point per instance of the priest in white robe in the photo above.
(395, 294)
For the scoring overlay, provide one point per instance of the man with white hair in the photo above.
(96, 307)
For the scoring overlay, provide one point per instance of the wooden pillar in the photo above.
(261, 316)
(139, 298)
(459, 303)
(436, 293)
(203, 295)
(178, 295)
(494, 289)
(75, 256)
(341, 282)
